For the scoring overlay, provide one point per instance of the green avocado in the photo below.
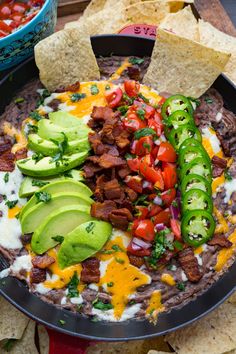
(49, 130)
(57, 187)
(58, 223)
(83, 242)
(46, 167)
(48, 148)
(33, 217)
(65, 119)
(31, 185)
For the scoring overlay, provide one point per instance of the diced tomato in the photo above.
(4, 27)
(144, 146)
(132, 87)
(147, 187)
(175, 227)
(154, 210)
(162, 101)
(169, 175)
(168, 196)
(133, 226)
(142, 212)
(166, 152)
(135, 183)
(133, 123)
(5, 11)
(114, 97)
(151, 174)
(3, 34)
(19, 7)
(162, 217)
(154, 152)
(17, 17)
(134, 164)
(149, 110)
(145, 230)
(141, 253)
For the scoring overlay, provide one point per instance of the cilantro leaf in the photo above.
(11, 203)
(58, 238)
(37, 183)
(136, 61)
(6, 177)
(72, 286)
(99, 305)
(94, 89)
(43, 197)
(76, 97)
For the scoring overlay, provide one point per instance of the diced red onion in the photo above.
(157, 142)
(141, 243)
(174, 211)
(136, 247)
(165, 94)
(146, 184)
(159, 227)
(157, 200)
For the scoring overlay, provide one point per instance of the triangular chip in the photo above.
(174, 5)
(43, 340)
(179, 65)
(93, 7)
(66, 57)
(212, 37)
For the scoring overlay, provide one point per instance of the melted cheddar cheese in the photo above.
(198, 250)
(120, 70)
(155, 306)
(168, 279)
(226, 253)
(21, 141)
(210, 143)
(222, 225)
(12, 213)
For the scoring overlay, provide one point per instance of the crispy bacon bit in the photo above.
(134, 72)
(109, 161)
(131, 194)
(102, 113)
(21, 154)
(90, 169)
(37, 275)
(219, 165)
(90, 272)
(112, 189)
(98, 147)
(190, 265)
(5, 146)
(102, 210)
(121, 218)
(7, 162)
(220, 240)
(136, 261)
(42, 262)
(124, 172)
(73, 88)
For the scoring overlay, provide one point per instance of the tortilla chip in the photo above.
(43, 340)
(174, 5)
(64, 58)
(179, 65)
(111, 20)
(232, 299)
(93, 7)
(12, 321)
(182, 23)
(26, 345)
(213, 38)
(213, 334)
(157, 352)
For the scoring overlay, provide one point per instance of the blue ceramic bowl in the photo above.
(19, 45)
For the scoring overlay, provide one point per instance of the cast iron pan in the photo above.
(17, 293)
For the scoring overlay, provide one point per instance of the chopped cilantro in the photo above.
(19, 100)
(132, 302)
(37, 183)
(99, 305)
(117, 248)
(144, 132)
(6, 177)
(147, 146)
(107, 87)
(36, 116)
(208, 100)
(76, 97)
(72, 286)
(43, 197)
(161, 244)
(227, 174)
(11, 203)
(107, 251)
(37, 156)
(119, 260)
(127, 99)
(141, 114)
(110, 284)
(175, 204)
(58, 238)
(123, 109)
(94, 89)
(142, 200)
(62, 147)
(195, 100)
(45, 93)
(62, 322)
(178, 245)
(136, 61)
(32, 128)
(90, 227)
(180, 286)
(145, 99)
(129, 156)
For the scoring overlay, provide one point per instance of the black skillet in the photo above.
(17, 293)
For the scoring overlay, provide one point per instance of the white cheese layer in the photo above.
(215, 143)
(230, 188)
(128, 313)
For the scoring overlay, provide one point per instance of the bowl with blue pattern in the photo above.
(19, 45)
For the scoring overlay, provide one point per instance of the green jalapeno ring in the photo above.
(179, 118)
(176, 103)
(190, 142)
(197, 166)
(194, 181)
(196, 199)
(184, 132)
(189, 153)
(197, 227)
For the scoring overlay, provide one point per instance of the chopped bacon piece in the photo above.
(102, 210)
(135, 260)
(109, 161)
(5, 146)
(190, 265)
(21, 154)
(112, 189)
(7, 162)
(219, 165)
(90, 169)
(42, 262)
(220, 240)
(121, 218)
(37, 275)
(90, 271)
(124, 172)
(102, 113)
(73, 88)
(134, 72)
(131, 194)
(96, 143)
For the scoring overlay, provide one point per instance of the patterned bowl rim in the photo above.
(34, 20)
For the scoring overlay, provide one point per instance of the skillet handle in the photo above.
(139, 30)
(63, 343)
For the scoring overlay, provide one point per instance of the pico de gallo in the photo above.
(170, 172)
(15, 14)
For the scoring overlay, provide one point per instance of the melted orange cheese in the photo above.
(124, 277)
(222, 225)
(21, 140)
(232, 219)
(217, 182)
(12, 213)
(168, 279)
(226, 253)
(206, 142)
(155, 306)
(198, 250)
(120, 70)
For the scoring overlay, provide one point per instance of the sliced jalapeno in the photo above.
(197, 227)
(190, 153)
(196, 199)
(184, 132)
(190, 142)
(193, 181)
(177, 119)
(176, 103)
(199, 167)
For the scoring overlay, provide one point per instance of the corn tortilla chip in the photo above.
(179, 65)
(213, 38)
(25, 345)
(94, 7)
(64, 58)
(182, 23)
(174, 5)
(111, 20)
(214, 334)
(12, 321)
(43, 340)
(232, 298)
(156, 352)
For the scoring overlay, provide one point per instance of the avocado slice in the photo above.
(33, 217)
(49, 130)
(46, 167)
(48, 148)
(83, 242)
(65, 119)
(31, 185)
(60, 222)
